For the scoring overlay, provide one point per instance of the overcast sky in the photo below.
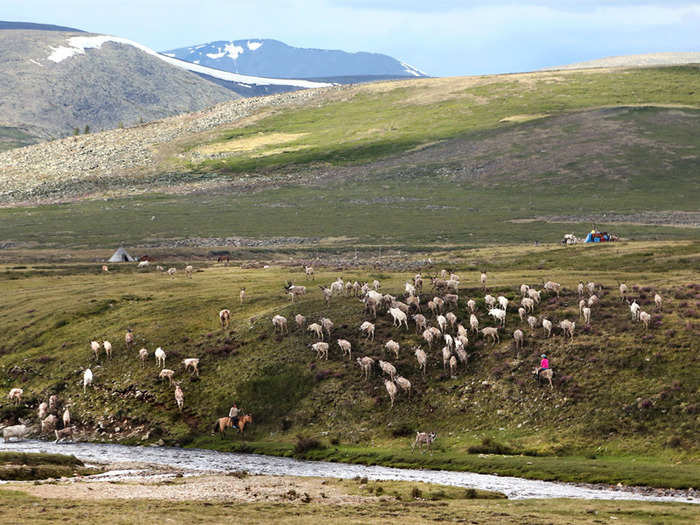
(441, 37)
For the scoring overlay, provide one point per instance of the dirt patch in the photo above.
(250, 143)
(523, 118)
(218, 487)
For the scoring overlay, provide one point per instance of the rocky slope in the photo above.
(53, 82)
(29, 172)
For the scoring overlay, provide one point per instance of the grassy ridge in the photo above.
(648, 410)
(22, 458)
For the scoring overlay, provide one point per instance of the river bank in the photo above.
(200, 460)
(642, 473)
(218, 498)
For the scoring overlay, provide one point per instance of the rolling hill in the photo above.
(505, 158)
(377, 181)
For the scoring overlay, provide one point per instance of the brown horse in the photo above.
(223, 423)
(244, 421)
(544, 374)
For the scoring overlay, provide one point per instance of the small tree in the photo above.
(76, 131)
(87, 129)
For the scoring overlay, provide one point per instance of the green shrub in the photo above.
(491, 446)
(304, 444)
(403, 430)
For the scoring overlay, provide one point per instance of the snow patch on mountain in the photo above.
(245, 79)
(413, 70)
(254, 45)
(230, 50)
(78, 44)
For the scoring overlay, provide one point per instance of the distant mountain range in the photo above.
(55, 80)
(272, 58)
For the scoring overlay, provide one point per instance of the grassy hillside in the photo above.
(629, 171)
(623, 395)
(371, 122)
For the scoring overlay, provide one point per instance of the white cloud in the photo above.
(442, 37)
(458, 5)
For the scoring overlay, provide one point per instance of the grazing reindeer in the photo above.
(179, 397)
(225, 317)
(423, 439)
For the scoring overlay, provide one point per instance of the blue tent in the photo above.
(595, 236)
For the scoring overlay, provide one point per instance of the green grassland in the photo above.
(624, 406)
(32, 509)
(423, 163)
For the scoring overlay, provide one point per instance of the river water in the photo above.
(212, 461)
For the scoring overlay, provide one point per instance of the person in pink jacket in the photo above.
(544, 365)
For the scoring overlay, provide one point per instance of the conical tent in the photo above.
(121, 256)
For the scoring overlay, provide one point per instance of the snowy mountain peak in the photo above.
(272, 58)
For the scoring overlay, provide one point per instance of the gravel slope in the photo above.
(32, 171)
